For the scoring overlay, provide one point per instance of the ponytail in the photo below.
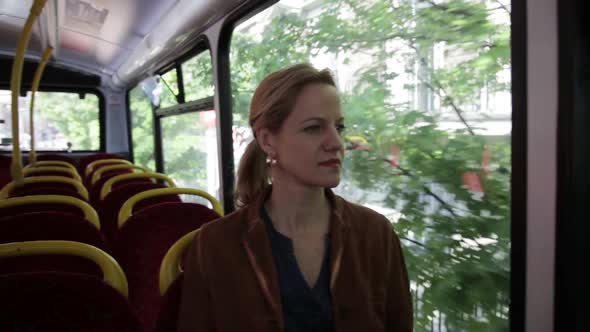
(253, 175)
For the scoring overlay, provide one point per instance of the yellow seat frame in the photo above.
(112, 272)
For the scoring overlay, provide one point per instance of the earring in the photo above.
(271, 161)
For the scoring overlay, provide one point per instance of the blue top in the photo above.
(305, 309)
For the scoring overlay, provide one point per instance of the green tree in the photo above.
(77, 119)
(142, 128)
(456, 238)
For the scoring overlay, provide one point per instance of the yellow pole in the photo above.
(36, 81)
(15, 81)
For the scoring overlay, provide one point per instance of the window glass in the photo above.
(425, 88)
(63, 121)
(189, 142)
(168, 88)
(197, 74)
(142, 127)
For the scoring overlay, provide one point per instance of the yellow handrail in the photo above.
(69, 171)
(36, 81)
(127, 208)
(15, 83)
(52, 163)
(95, 163)
(108, 186)
(112, 273)
(89, 212)
(8, 188)
(170, 268)
(98, 174)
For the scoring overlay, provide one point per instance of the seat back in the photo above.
(5, 176)
(86, 160)
(57, 157)
(57, 301)
(50, 225)
(51, 170)
(11, 189)
(141, 244)
(64, 301)
(34, 191)
(112, 203)
(43, 252)
(170, 307)
(53, 203)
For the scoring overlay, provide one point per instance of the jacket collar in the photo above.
(258, 249)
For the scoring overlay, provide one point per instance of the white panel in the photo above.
(542, 137)
(116, 121)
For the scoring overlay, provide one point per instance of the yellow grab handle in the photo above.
(8, 188)
(33, 170)
(15, 83)
(170, 268)
(36, 81)
(89, 212)
(95, 163)
(108, 186)
(127, 208)
(111, 271)
(98, 174)
(51, 163)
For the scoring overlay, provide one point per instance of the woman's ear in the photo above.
(266, 141)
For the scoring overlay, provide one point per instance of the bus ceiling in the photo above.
(116, 41)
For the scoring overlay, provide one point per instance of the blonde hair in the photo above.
(272, 103)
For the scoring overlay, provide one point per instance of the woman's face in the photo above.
(309, 147)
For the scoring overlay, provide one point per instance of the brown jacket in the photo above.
(231, 282)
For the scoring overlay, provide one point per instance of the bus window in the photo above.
(197, 74)
(60, 118)
(189, 143)
(425, 89)
(168, 88)
(142, 127)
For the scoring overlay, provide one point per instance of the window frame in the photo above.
(519, 115)
(101, 115)
(158, 113)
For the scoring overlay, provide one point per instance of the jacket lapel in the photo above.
(257, 246)
(338, 231)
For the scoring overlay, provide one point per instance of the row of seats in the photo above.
(121, 211)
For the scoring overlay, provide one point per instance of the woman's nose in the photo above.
(333, 140)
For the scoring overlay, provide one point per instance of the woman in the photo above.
(295, 257)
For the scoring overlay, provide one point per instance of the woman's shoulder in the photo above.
(224, 228)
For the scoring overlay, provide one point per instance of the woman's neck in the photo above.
(299, 210)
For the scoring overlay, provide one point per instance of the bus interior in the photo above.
(122, 124)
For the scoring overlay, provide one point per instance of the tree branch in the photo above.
(439, 88)
(503, 6)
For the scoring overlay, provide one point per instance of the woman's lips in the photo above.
(331, 163)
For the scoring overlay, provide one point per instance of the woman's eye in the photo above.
(341, 128)
(312, 129)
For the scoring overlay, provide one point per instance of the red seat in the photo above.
(170, 305)
(50, 225)
(85, 161)
(5, 176)
(110, 206)
(87, 179)
(52, 301)
(47, 186)
(141, 244)
(94, 189)
(32, 191)
(59, 157)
